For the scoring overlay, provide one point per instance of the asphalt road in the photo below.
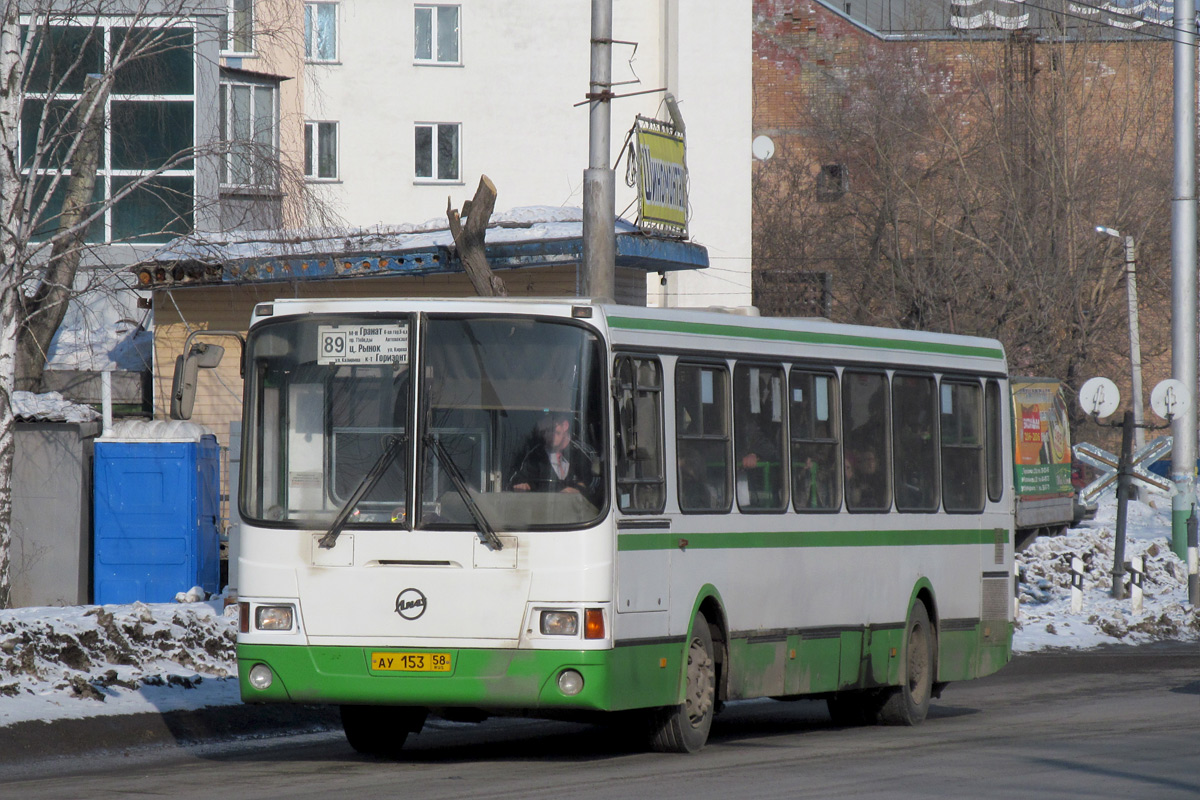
(1117, 723)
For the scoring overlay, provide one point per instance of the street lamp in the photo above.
(1135, 347)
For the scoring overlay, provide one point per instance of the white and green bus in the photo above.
(561, 508)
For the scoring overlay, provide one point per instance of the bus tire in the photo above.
(908, 704)
(380, 730)
(684, 728)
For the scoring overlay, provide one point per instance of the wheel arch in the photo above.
(922, 592)
(709, 603)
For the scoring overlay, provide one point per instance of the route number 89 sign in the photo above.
(362, 344)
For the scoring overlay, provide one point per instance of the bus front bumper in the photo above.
(490, 679)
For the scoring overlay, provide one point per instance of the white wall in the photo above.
(525, 64)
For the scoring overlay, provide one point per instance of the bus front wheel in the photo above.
(380, 730)
(908, 704)
(684, 728)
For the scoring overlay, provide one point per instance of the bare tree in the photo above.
(60, 63)
(957, 186)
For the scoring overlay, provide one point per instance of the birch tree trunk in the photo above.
(11, 271)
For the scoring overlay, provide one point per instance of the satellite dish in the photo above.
(762, 147)
(1099, 397)
(1170, 399)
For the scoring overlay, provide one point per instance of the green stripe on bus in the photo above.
(745, 540)
(804, 337)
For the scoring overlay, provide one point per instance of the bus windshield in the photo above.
(506, 423)
(328, 400)
(517, 405)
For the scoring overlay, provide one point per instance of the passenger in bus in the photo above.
(557, 463)
(866, 484)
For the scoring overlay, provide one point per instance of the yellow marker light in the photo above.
(593, 623)
(662, 663)
(273, 618)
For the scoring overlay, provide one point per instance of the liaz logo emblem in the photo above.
(410, 603)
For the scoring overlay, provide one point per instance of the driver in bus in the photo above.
(557, 463)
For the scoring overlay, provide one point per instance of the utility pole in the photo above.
(599, 184)
(1135, 345)
(1183, 271)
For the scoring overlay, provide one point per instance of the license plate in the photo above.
(411, 662)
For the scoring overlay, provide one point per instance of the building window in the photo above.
(436, 34)
(238, 36)
(833, 181)
(437, 151)
(145, 176)
(320, 31)
(320, 150)
(248, 132)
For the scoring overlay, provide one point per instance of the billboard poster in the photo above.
(1042, 446)
(662, 177)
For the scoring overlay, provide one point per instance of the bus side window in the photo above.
(702, 437)
(995, 442)
(865, 421)
(640, 476)
(815, 447)
(914, 427)
(758, 438)
(962, 447)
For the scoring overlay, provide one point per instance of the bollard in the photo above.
(1193, 561)
(1136, 574)
(1076, 584)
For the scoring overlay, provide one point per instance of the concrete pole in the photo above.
(599, 184)
(1135, 344)
(1183, 271)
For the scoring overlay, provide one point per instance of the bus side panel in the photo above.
(957, 654)
(815, 665)
(756, 668)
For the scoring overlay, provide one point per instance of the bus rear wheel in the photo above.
(684, 728)
(380, 730)
(908, 704)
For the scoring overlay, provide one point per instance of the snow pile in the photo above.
(89, 660)
(1046, 620)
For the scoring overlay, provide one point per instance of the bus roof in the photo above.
(684, 328)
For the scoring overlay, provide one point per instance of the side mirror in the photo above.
(187, 370)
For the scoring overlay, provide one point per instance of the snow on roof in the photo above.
(50, 407)
(524, 224)
(171, 430)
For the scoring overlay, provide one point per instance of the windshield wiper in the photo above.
(487, 534)
(390, 450)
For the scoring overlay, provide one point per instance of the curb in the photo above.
(36, 740)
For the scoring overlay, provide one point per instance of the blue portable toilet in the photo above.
(157, 501)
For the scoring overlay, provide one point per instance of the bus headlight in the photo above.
(570, 682)
(274, 618)
(560, 623)
(261, 677)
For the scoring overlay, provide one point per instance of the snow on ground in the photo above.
(58, 663)
(1046, 621)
